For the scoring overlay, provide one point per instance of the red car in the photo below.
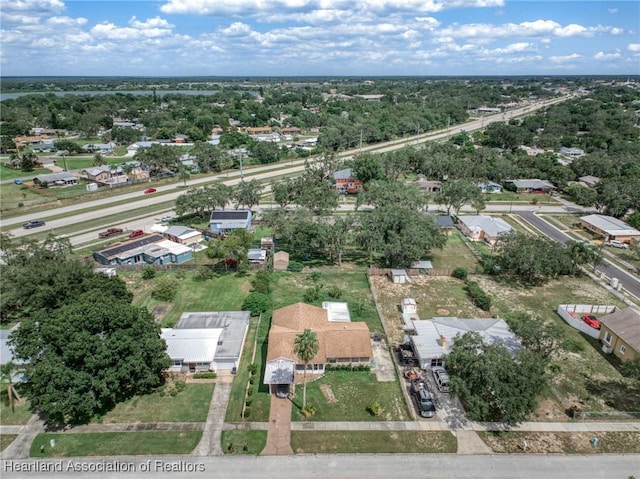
(148, 191)
(110, 232)
(591, 321)
(136, 233)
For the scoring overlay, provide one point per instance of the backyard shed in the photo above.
(280, 261)
(399, 276)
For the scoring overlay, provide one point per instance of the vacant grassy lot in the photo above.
(255, 441)
(116, 443)
(372, 442)
(11, 174)
(224, 292)
(190, 405)
(19, 415)
(562, 442)
(6, 440)
(455, 254)
(345, 396)
(11, 196)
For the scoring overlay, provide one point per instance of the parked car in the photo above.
(617, 244)
(17, 181)
(33, 224)
(424, 402)
(591, 321)
(441, 378)
(149, 191)
(282, 391)
(136, 233)
(110, 232)
(166, 218)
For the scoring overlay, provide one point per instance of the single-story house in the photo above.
(589, 181)
(64, 178)
(290, 130)
(280, 261)
(445, 222)
(480, 227)
(609, 228)
(191, 350)
(532, 186)
(429, 186)
(256, 255)
(150, 248)
(183, 235)
(572, 153)
(399, 276)
(105, 175)
(620, 333)
(104, 148)
(225, 221)
(432, 339)
(490, 187)
(340, 342)
(232, 327)
(345, 183)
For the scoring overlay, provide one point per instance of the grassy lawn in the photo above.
(190, 405)
(508, 196)
(224, 292)
(20, 414)
(345, 396)
(455, 254)
(11, 195)
(6, 440)
(372, 442)
(116, 443)
(562, 442)
(11, 174)
(255, 441)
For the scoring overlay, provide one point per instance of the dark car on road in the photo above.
(110, 232)
(33, 224)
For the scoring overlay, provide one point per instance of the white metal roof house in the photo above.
(609, 227)
(256, 255)
(433, 338)
(570, 152)
(481, 227)
(191, 349)
(490, 187)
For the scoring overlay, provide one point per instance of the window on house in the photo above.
(622, 349)
(607, 337)
(436, 362)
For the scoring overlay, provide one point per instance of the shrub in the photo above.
(165, 289)
(295, 266)
(148, 272)
(205, 375)
(334, 292)
(375, 409)
(247, 412)
(477, 295)
(248, 402)
(309, 410)
(261, 282)
(250, 392)
(252, 368)
(460, 273)
(20, 205)
(574, 345)
(314, 276)
(204, 273)
(256, 303)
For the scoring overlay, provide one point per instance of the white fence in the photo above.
(572, 315)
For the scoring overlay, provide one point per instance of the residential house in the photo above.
(183, 235)
(532, 186)
(225, 221)
(258, 130)
(345, 183)
(589, 181)
(339, 341)
(231, 328)
(620, 333)
(445, 222)
(609, 228)
(149, 248)
(280, 261)
(429, 186)
(483, 228)
(432, 339)
(290, 130)
(489, 187)
(105, 175)
(571, 153)
(102, 148)
(191, 350)
(51, 180)
(485, 110)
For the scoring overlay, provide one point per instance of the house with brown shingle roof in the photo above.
(620, 333)
(340, 342)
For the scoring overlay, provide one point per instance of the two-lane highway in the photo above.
(629, 282)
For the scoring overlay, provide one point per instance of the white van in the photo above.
(618, 244)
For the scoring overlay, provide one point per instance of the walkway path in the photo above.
(210, 443)
(21, 446)
(279, 428)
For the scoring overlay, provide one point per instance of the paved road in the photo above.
(346, 466)
(629, 282)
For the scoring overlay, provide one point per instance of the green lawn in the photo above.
(18, 416)
(254, 440)
(224, 292)
(455, 254)
(373, 442)
(12, 195)
(116, 443)
(190, 405)
(11, 174)
(353, 393)
(6, 440)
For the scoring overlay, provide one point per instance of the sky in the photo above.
(318, 37)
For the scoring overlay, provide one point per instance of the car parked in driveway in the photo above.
(282, 391)
(136, 233)
(422, 396)
(591, 320)
(33, 224)
(148, 191)
(617, 244)
(441, 378)
(110, 232)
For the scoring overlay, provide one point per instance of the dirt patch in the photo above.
(159, 311)
(327, 392)
(562, 442)
(443, 312)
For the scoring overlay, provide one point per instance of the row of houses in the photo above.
(521, 186)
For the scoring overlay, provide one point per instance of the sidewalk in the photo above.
(21, 447)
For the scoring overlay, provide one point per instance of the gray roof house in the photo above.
(63, 178)
(480, 227)
(225, 221)
(532, 186)
(609, 227)
(433, 339)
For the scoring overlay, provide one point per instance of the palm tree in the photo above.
(184, 175)
(6, 376)
(306, 347)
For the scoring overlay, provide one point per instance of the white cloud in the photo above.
(612, 10)
(66, 21)
(34, 6)
(602, 56)
(633, 47)
(566, 58)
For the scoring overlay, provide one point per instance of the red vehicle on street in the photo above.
(148, 191)
(136, 233)
(110, 232)
(591, 321)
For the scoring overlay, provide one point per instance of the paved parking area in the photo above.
(382, 362)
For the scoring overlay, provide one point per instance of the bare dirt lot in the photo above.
(562, 442)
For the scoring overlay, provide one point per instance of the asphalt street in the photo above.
(346, 466)
(629, 282)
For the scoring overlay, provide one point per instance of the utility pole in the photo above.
(360, 140)
(241, 172)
